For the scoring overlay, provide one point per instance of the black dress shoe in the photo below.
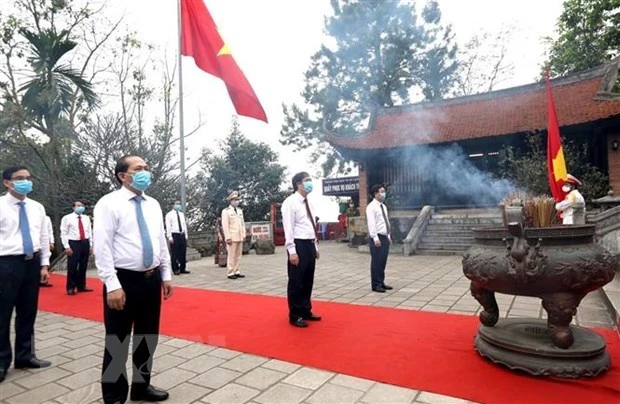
(177, 273)
(386, 287)
(312, 317)
(240, 275)
(186, 272)
(151, 394)
(378, 290)
(46, 285)
(33, 363)
(71, 292)
(300, 322)
(85, 289)
(232, 277)
(2, 375)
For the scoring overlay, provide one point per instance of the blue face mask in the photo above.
(308, 186)
(382, 196)
(23, 187)
(178, 208)
(141, 180)
(79, 210)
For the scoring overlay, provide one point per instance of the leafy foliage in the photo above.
(529, 171)
(588, 35)
(244, 166)
(378, 54)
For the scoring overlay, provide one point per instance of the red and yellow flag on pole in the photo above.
(556, 165)
(201, 40)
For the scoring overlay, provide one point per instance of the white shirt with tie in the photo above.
(50, 230)
(70, 228)
(172, 223)
(11, 242)
(118, 243)
(376, 221)
(296, 222)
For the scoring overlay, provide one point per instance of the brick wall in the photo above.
(363, 175)
(613, 158)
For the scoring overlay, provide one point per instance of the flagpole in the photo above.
(181, 129)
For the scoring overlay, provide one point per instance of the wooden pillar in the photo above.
(363, 176)
(613, 159)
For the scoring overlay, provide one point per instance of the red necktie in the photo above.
(81, 228)
(311, 219)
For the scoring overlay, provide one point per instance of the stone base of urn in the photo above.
(525, 345)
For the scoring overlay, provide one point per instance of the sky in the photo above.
(272, 42)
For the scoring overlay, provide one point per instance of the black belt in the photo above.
(139, 274)
(20, 257)
(304, 240)
(80, 241)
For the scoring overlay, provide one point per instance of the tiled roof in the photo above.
(579, 98)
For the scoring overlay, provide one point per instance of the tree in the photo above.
(378, 53)
(482, 62)
(44, 95)
(529, 171)
(245, 166)
(588, 36)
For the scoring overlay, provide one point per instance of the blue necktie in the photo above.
(147, 246)
(24, 228)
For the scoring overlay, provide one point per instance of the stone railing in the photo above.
(608, 229)
(204, 241)
(410, 243)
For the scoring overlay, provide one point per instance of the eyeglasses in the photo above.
(21, 178)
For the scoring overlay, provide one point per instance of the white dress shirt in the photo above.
(172, 224)
(70, 228)
(376, 222)
(118, 243)
(50, 230)
(296, 223)
(11, 237)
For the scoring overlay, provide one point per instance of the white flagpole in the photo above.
(181, 130)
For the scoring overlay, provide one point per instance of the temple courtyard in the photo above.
(198, 373)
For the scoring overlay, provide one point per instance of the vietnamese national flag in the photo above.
(556, 165)
(201, 40)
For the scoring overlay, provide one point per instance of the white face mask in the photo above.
(566, 188)
(234, 203)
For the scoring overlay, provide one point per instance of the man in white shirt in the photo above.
(233, 227)
(379, 238)
(50, 234)
(176, 231)
(133, 262)
(24, 262)
(300, 242)
(573, 207)
(75, 234)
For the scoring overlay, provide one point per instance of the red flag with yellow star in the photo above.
(201, 40)
(556, 165)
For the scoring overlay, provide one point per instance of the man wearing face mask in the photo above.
(233, 227)
(176, 230)
(379, 238)
(24, 263)
(133, 262)
(574, 205)
(301, 239)
(75, 234)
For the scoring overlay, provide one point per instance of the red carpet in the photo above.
(414, 349)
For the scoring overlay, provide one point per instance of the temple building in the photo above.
(407, 146)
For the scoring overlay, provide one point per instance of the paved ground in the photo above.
(197, 373)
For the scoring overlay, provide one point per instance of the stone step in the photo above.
(469, 221)
(446, 246)
(467, 216)
(394, 249)
(192, 254)
(438, 252)
(450, 227)
(447, 240)
(448, 233)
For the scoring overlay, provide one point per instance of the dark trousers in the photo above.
(378, 261)
(142, 311)
(19, 290)
(178, 252)
(77, 264)
(300, 280)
